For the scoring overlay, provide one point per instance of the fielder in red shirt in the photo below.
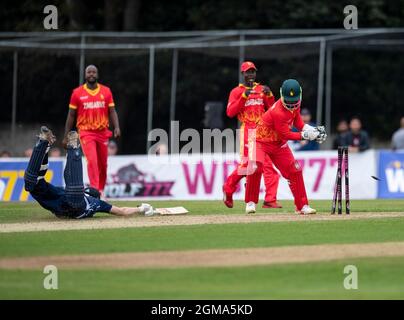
(248, 101)
(272, 134)
(90, 109)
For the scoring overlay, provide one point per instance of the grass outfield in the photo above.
(255, 235)
(379, 278)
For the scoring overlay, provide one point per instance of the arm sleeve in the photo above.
(110, 101)
(269, 100)
(73, 104)
(236, 102)
(104, 206)
(364, 145)
(298, 122)
(282, 127)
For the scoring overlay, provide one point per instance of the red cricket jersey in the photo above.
(249, 109)
(92, 107)
(276, 124)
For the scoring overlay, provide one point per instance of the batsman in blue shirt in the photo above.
(73, 201)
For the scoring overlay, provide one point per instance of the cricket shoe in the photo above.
(46, 134)
(272, 204)
(147, 209)
(306, 210)
(73, 140)
(227, 199)
(250, 207)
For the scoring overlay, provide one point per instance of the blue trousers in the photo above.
(65, 202)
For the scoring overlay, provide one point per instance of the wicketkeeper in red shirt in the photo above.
(248, 101)
(272, 135)
(90, 109)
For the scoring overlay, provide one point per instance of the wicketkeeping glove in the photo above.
(322, 134)
(310, 134)
(308, 127)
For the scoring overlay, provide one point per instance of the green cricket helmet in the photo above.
(291, 94)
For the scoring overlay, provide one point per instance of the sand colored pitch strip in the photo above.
(159, 221)
(210, 258)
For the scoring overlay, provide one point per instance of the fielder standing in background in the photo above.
(272, 135)
(248, 101)
(90, 110)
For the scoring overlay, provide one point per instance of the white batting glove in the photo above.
(147, 209)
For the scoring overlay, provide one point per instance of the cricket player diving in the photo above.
(73, 201)
(248, 101)
(272, 135)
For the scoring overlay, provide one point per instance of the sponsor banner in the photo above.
(12, 178)
(200, 177)
(391, 174)
(197, 177)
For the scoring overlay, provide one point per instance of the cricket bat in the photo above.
(171, 211)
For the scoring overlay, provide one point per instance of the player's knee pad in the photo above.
(295, 167)
(295, 178)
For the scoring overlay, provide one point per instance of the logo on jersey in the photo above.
(254, 102)
(94, 105)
